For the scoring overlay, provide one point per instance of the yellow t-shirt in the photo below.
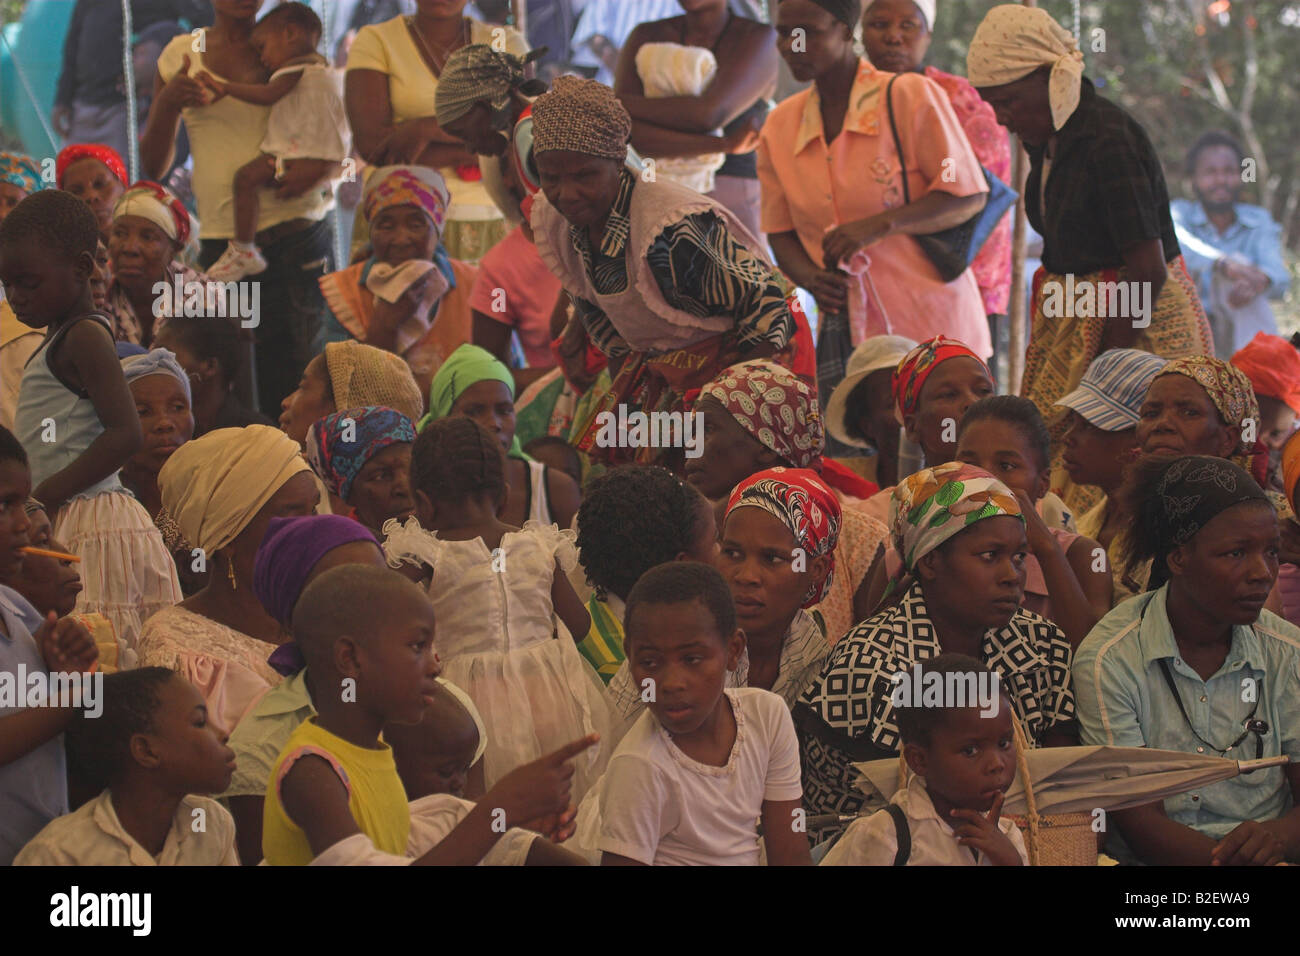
(376, 797)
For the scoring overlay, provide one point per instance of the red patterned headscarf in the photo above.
(804, 504)
(105, 154)
(916, 366)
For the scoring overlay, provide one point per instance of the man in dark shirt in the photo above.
(90, 103)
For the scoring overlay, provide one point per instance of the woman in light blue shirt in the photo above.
(1196, 664)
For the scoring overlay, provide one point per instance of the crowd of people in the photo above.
(458, 605)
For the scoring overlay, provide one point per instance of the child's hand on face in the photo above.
(66, 645)
(1037, 533)
(540, 789)
(981, 832)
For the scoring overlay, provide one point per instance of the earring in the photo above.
(230, 573)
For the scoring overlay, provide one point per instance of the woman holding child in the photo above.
(961, 535)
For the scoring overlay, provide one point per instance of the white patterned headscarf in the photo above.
(1014, 41)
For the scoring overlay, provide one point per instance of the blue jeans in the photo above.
(289, 333)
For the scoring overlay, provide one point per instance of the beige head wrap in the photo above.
(213, 486)
(582, 116)
(363, 375)
(1013, 41)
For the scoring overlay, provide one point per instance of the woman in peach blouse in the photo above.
(220, 492)
(832, 189)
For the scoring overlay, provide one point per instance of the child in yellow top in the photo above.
(336, 780)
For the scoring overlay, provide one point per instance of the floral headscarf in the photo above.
(21, 171)
(929, 507)
(1233, 395)
(804, 504)
(339, 445)
(418, 186)
(916, 366)
(774, 406)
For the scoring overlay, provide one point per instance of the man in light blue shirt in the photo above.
(1232, 249)
(1123, 700)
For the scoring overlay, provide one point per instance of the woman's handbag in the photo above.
(953, 250)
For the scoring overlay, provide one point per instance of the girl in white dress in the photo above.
(496, 592)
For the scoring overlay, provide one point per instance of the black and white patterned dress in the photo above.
(846, 715)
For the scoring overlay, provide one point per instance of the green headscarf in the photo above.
(468, 365)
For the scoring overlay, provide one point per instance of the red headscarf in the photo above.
(916, 366)
(105, 154)
(804, 504)
(1273, 366)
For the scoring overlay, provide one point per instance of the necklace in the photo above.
(428, 48)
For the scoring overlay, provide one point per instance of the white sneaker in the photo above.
(236, 263)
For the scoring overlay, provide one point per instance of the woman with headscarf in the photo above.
(961, 536)
(665, 282)
(19, 178)
(896, 35)
(149, 229)
(1203, 406)
(221, 491)
(473, 384)
(349, 375)
(1272, 364)
(408, 297)
(364, 457)
(1097, 195)
(161, 391)
(293, 552)
(778, 540)
(758, 415)
(1197, 664)
(394, 70)
(833, 192)
(96, 175)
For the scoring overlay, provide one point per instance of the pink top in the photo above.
(515, 288)
(992, 266)
(808, 187)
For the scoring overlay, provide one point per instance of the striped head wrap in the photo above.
(479, 74)
(581, 116)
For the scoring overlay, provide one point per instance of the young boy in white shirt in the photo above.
(962, 759)
(697, 772)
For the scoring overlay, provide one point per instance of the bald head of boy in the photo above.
(367, 635)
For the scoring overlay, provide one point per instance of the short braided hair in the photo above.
(456, 459)
(54, 219)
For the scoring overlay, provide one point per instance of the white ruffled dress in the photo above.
(496, 635)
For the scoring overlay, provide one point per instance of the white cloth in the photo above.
(224, 136)
(309, 122)
(658, 806)
(432, 819)
(496, 639)
(202, 834)
(1013, 41)
(127, 573)
(927, 8)
(671, 69)
(873, 841)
